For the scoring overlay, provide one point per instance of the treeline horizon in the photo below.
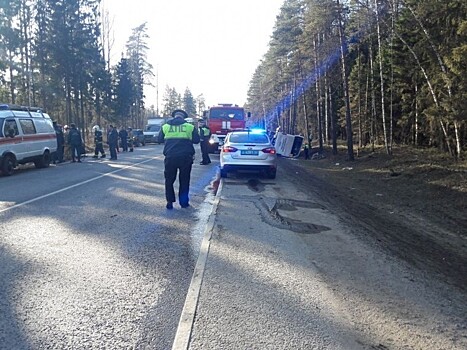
(56, 55)
(372, 72)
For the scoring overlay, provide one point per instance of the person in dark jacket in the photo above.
(306, 150)
(112, 140)
(131, 141)
(123, 135)
(60, 143)
(178, 137)
(204, 135)
(98, 142)
(76, 143)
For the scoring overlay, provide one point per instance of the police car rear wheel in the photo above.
(8, 166)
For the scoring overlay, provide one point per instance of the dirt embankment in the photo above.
(413, 203)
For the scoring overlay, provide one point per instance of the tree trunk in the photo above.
(380, 61)
(345, 84)
(319, 119)
(333, 121)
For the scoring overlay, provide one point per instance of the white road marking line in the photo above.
(187, 318)
(73, 186)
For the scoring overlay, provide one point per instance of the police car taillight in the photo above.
(270, 150)
(228, 149)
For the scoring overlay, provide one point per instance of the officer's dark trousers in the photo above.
(59, 154)
(113, 150)
(99, 148)
(124, 145)
(182, 165)
(75, 152)
(204, 145)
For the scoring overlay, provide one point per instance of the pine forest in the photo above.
(365, 72)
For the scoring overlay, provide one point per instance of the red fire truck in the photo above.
(221, 119)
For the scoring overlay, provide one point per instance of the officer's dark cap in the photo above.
(179, 113)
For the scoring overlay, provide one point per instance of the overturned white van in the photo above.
(288, 145)
(27, 135)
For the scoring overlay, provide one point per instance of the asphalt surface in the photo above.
(91, 259)
(280, 269)
(254, 286)
(97, 262)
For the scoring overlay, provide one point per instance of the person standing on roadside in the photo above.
(60, 143)
(178, 137)
(123, 135)
(75, 141)
(130, 139)
(98, 142)
(66, 148)
(112, 140)
(204, 135)
(306, 149)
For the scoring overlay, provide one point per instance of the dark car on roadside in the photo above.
(138, 138)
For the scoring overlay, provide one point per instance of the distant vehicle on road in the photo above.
(248, 150)
(138, 138)
(27, 135)
(151, 130)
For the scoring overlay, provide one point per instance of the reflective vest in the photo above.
(181, 132)
(206, 132)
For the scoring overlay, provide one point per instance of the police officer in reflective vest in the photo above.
(204, 135)
(178, 137)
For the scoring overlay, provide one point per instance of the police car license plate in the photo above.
(249, 153)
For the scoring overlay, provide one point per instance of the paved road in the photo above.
(90, 257)
(283, 269)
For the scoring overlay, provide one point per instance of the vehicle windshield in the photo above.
(227, 113)
(248, 138)
(153, 128)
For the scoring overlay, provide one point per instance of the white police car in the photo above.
(26, 135)
(248, 151)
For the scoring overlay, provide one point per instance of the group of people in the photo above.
(69, 143)
(177, 135)
(125, 136)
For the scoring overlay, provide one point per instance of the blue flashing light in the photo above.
(258, 131)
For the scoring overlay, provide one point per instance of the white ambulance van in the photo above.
(27, 135)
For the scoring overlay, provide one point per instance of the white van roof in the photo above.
(35, 112)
